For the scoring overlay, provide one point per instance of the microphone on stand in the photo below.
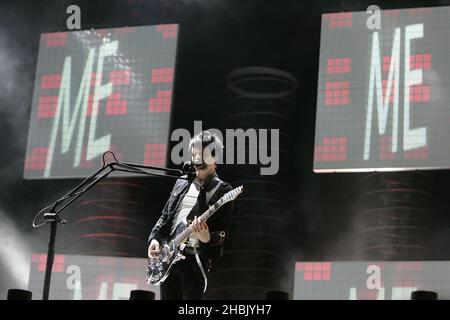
(189, 169)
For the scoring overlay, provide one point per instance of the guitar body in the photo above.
(158, 268)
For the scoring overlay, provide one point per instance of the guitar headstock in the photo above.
(231, 195)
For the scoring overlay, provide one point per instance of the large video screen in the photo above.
(101, 90)
(384, 93)
(370, 280)
(76, 277)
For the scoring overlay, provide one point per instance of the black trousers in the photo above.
(185, 281)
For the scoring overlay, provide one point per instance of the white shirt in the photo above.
(187, 203)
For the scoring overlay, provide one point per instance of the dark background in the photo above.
(215, 38)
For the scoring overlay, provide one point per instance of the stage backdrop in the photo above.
(385, 280)
(384, 94)
(100, 90)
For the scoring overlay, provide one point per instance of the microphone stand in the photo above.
(51, 214)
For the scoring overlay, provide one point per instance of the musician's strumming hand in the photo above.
(153, 249)
(200, 230)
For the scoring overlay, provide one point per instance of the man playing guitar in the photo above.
(188, 200)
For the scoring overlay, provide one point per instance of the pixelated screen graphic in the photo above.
(386, 280)
(76, 277)
(383, 94)
(101, 90)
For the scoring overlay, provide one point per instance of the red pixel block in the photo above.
(338, 65)
(318, 271)
(332, 149)
(36, 160)
(420, 61)
(337, 93)
(162, 75)
(56, 39)
(162, 101)
(47, 106)
(41, 260)
(155, 154)
(115, 105)
(339, 20)
(418, 153)
(419, 93)
(119, 77)
(169, 31)
(51, 81)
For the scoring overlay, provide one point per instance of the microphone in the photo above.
(189, 170)
(192, 166)
(188, 167)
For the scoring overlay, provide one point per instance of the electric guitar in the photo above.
(170, 252)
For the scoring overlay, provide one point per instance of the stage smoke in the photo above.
(14, 252)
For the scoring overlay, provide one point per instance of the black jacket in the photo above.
(219, 222)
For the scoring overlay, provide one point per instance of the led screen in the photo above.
(382, 280)
(76, 277)
(97, 91)
(384, 94)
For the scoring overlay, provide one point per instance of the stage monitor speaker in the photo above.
(142, 295)
(276, 295)
(424, 295)
(19, 294)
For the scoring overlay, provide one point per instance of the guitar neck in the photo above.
(186, 232)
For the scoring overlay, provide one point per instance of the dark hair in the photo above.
(208, 140)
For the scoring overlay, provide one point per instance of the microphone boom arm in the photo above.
(52, 214)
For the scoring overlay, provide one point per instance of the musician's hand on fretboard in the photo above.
(200, 230)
